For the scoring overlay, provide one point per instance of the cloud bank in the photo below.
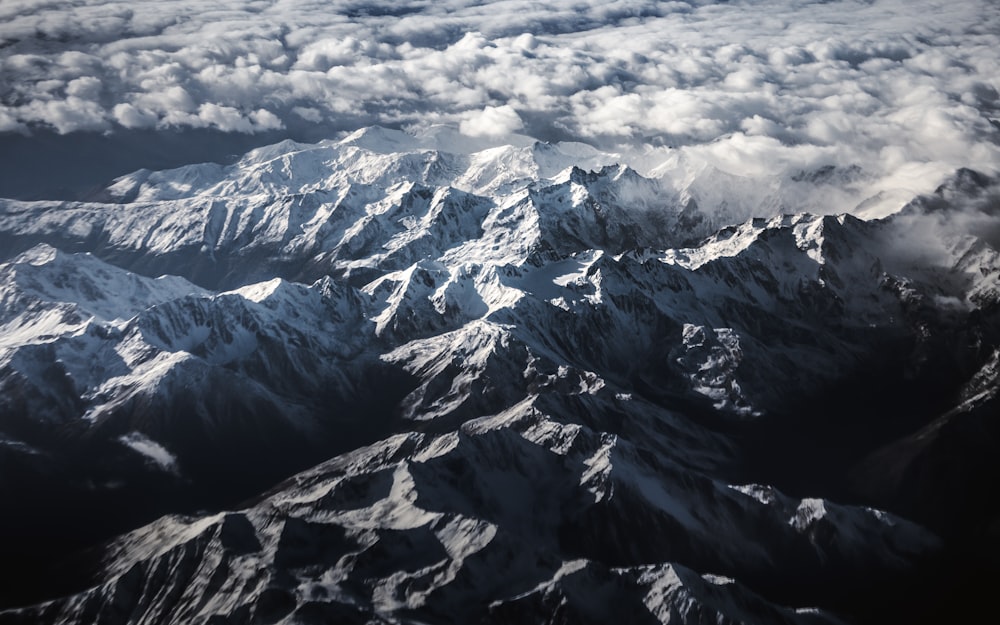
(906, 90)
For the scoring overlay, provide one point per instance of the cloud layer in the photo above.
(906, 90)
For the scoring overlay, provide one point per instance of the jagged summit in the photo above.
(525, 383)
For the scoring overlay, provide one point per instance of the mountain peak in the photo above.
(41, 254)
(527, 360)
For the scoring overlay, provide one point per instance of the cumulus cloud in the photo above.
(891, 86)
(492, 121)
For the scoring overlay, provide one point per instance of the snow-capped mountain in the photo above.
(512, 518)
(547, 388)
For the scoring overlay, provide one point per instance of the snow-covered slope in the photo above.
(512, 518)
(379, 199)
(552, 389)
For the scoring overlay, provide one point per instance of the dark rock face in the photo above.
(514, 400)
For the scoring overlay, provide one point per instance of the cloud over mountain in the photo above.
(905, 90)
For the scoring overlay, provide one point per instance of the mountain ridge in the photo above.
(470, 338)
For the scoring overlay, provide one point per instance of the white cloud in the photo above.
(308, 113)
(130, 116)
(65, 115)
(10, 123)
(151, 450)
(264, 119)
(225, 118)
(888, 85)
(492, 121)
(86, 87)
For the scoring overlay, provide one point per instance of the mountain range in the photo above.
(417, 379)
